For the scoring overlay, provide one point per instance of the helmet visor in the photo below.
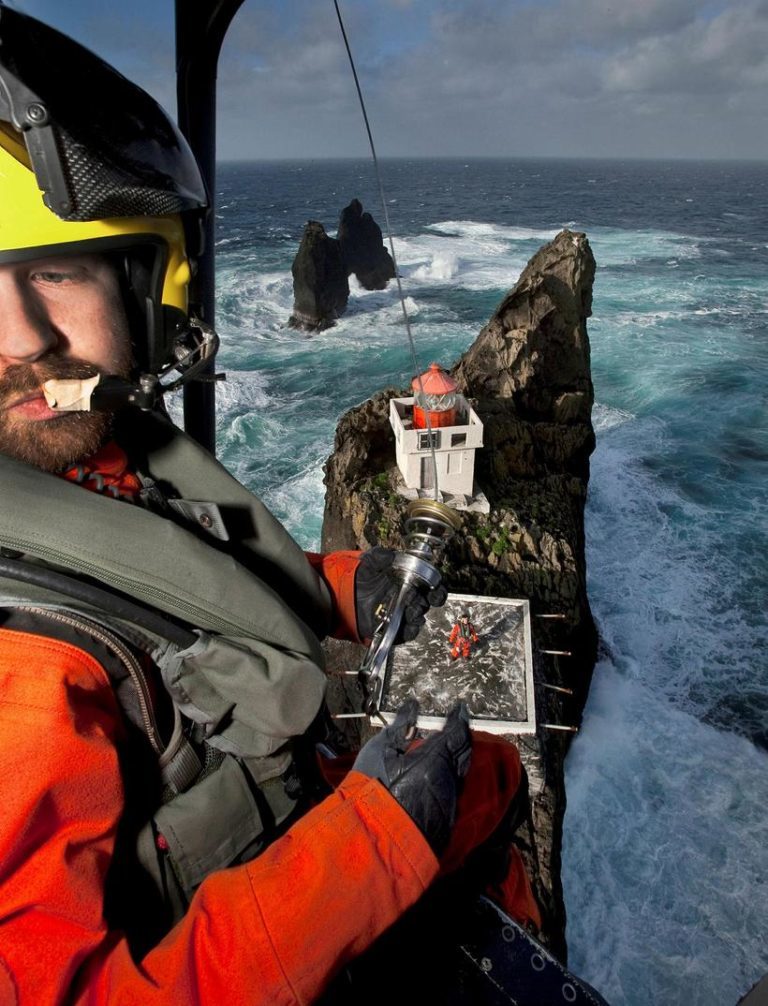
(99, 145)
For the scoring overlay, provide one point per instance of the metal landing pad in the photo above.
(496, 681)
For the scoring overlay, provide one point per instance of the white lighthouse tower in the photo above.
(456, 433)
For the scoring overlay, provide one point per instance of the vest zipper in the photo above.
(122, 652)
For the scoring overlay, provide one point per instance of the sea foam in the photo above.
(665, 866)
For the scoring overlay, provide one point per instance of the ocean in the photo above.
(666, 834)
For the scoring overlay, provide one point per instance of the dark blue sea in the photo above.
(666, 833)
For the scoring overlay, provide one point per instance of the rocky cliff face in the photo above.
(529, 368)
(528, 373)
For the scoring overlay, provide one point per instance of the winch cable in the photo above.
(412, 344)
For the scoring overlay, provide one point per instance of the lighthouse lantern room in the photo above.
(454, 431)
(435, 395)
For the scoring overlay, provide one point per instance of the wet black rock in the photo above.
(320, 287)
(363, 248)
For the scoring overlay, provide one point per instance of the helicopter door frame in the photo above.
(201, 26)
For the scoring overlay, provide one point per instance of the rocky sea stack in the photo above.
(323, 264)
(528, 375)
(320, 286)
(362, 248)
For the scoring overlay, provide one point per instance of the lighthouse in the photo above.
(439, 419)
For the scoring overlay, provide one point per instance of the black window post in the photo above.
(200, 29)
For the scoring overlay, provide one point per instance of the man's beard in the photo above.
(50, 444)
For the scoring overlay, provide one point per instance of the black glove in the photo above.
(425, 779)
(375, 585)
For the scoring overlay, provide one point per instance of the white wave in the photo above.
(297, 502)
(372, 301)
(665, 866)
(441, 267)
(473, 255)
(616, 246)
(604, 417)
(661, 594)
(357, 288)
(481, 263)
(242, 390)
(666, 840)
(248, 443)
(475, 229)
(248, 300)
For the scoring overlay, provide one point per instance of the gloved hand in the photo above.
(374, 586)
(424, 779)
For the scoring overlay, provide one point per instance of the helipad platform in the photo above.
(496, 680)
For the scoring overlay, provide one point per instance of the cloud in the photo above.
(726, 54)
(590, 78)
(494, 77)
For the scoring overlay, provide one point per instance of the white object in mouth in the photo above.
(70, 394)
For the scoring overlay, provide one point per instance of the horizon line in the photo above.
(669, 158)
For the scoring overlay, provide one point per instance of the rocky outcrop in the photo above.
(529, 375)
(323, 264)
(529, 369)
(363, 249)
(320, 286)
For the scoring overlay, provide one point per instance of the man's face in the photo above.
(59, 317)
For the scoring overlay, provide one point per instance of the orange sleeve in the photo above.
(338, 570)
(270, 932)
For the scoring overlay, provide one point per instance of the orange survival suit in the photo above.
(461, 638)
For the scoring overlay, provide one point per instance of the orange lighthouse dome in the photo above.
(435, 394)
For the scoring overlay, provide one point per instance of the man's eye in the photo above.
(54, 277)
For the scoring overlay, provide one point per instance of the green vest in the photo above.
(251, 681)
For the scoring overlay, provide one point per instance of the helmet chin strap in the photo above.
(107, 393)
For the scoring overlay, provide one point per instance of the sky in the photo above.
(483, 78)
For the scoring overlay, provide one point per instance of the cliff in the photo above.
(528, 374)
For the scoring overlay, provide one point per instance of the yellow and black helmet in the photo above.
(89, 163)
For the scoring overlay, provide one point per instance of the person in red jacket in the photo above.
(105, 794)
(462, 637)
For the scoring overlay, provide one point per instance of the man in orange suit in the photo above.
(462, 637)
